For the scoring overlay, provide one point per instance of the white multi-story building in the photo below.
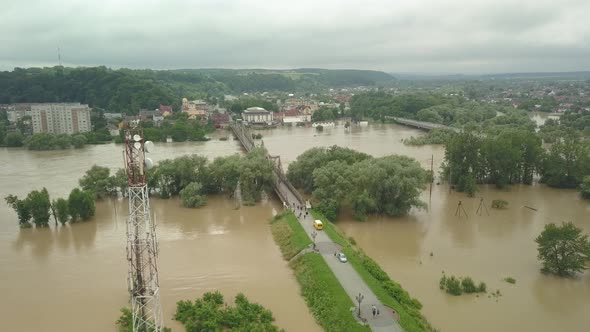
(257, 115)
(60, 118)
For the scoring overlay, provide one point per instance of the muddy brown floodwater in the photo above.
(74, 278)
(486, 248)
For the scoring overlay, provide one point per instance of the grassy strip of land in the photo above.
(289, 234)
(388, 291)
(325, 297)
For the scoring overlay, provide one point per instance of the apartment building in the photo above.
(60, 118)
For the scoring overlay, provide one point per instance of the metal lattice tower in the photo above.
(142, 246)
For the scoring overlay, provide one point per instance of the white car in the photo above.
(342, 257)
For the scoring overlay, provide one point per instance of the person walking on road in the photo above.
(374, 309)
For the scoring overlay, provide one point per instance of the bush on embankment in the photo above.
(325, 297)
(388, 291)
(289, 234)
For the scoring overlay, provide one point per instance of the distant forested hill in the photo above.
(128, 90)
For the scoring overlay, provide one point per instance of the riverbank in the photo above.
(390, 293)
(325, 297)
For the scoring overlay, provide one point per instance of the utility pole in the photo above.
(142, 246)
(59, 56)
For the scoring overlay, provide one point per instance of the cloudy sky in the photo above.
(419, 36)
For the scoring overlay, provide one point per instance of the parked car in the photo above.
(342, 257)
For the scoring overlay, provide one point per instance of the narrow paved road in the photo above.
(350, 280)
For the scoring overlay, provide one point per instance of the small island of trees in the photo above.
(339, 176)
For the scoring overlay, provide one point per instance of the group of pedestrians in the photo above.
(301, 210)
(375, 311)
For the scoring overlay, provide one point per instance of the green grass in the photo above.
(325, 297)
(387, 291)
(289, 234)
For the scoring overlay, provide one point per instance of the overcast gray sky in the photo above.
(438, 36)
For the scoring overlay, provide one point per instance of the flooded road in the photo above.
(74, 278)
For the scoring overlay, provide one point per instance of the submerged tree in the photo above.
(98, 181)
(563, 249)
(22, 209)
(60, 211)
(81, 205)
(192, 196)
(40, 205)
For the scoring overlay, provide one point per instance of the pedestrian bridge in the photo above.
(421, 124)
(284, 189)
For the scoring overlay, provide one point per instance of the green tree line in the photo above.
(38, 207)
(514, 156)
(192, 178)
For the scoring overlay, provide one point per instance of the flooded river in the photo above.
(73, 278)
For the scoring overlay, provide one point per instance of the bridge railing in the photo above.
(245, 138)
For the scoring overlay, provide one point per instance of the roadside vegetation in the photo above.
(325, 297)
(289, 234)
(389, 292)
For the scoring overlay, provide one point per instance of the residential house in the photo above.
(145, 115)
(220, 120)
(165, 110)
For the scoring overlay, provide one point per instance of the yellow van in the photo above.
(318, 224)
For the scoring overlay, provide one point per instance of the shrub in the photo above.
(499, 204)
(468, 285)
(453, 286)
(510, 280)
(457, 286)
(482, 287)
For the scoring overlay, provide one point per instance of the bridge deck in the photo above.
(421, 124)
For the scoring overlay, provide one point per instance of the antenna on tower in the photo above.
(59, 56)
(142, 245)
